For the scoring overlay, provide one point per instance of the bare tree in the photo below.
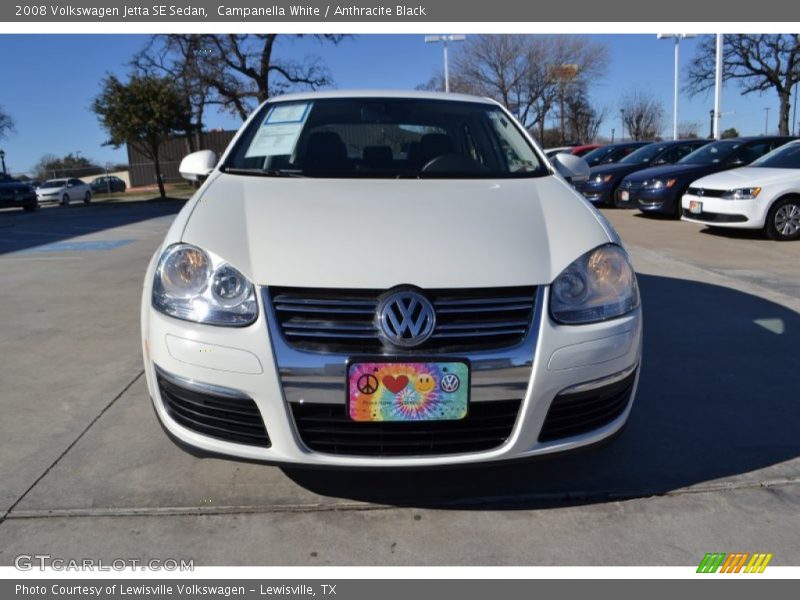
(180, 57)
(758, 62)
(233, 71)
(526, 73)
(6, 124)
(642, 114)
(689, 130)
(247, 70)
(495, 66)
(582, 120)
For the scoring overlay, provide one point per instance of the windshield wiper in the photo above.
(263, 172)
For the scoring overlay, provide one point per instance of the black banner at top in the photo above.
(465, 11)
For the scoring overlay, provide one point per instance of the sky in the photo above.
(49, 82)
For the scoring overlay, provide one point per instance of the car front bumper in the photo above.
(564, 361)
(654, 201)
(742, 214)
(17, 201)
(596, 194)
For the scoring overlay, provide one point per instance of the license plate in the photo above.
(624, 196)
(695, 207)
(382, 390)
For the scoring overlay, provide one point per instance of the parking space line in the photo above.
(70, 446)
(43, 258)
(354, 506)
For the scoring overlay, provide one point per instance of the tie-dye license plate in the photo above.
(407, 391)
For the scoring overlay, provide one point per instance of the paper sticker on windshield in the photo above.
(288, 113)
(280, 130)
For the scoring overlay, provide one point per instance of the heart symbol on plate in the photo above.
(395, 384)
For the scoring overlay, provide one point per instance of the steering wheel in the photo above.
(452, 162)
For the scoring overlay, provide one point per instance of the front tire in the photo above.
(31, 207)
(65, 200)
(87, 198)
(783, 220)
(677, 210)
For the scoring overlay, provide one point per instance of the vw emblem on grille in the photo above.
(700, 191)
(406, 318)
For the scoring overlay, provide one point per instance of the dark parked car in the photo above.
(17, 194)
(585, 149)
(604, 180)
(659, 189)
(108, 183)
(611, 153)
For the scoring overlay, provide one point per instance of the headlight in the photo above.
(599, 285)
(194, 285)
(599, 179)
(750, 193)
(658, 184)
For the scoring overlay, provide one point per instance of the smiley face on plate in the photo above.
(424, 383)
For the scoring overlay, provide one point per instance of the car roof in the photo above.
(756, 138)
(629, 143)
(373, 93)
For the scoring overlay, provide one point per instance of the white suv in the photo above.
(373, 279)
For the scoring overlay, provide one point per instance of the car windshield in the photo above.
(644, 154)
(383, 137)
(785, 157)
(710, 154)
(598, 155)
(55, 183)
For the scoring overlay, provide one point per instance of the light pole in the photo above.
(718, 89)
(3, 161)
(622, 124)
(677, 37)
(613, 131)
(444, 39)
(766, 120)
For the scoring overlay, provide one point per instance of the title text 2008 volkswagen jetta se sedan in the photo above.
(373, 279)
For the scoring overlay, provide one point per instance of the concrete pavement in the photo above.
(709, 460)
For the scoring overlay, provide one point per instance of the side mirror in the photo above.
(198, 165)
(572, 168)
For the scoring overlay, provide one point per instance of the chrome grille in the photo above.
(327, 428)
(344, 321)
(633, 186)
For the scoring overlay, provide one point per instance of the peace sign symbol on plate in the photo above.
(367, 384)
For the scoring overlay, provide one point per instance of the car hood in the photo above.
(14, 185)
(748, 176)
(676, 170)
(373, 233)
(49, 190)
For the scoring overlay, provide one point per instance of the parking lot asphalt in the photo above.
(710, 460)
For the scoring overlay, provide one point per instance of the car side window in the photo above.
(684, 150)
(672, 155)
(748, 154)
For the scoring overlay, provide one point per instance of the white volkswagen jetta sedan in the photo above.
(764, 195)
(373, 279)
(64, 191)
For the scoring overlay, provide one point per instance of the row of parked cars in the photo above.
(28, 194)
(748, 182)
